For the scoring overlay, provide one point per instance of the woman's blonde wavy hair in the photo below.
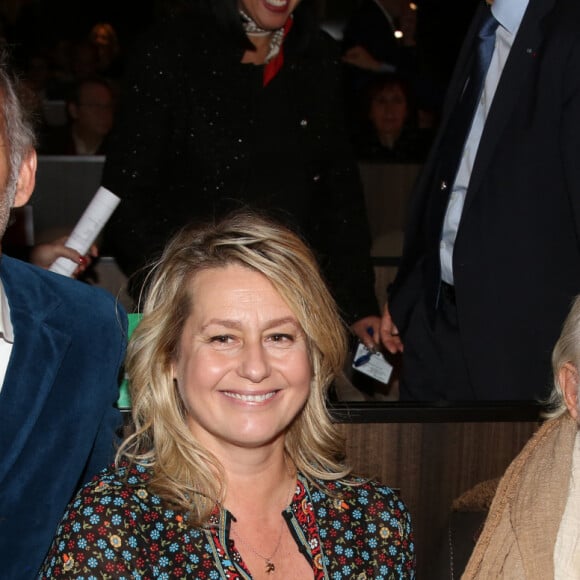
(185, 473)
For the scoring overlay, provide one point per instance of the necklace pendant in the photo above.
(270, 567)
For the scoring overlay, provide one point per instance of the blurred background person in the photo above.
(103, 37)
(239, 104)
(235, 468)
(90, 109)
(388, 128)
(53, 72)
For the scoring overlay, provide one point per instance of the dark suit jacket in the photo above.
(57, 405)
(517, 253)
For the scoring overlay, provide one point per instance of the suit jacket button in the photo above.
(443, 185)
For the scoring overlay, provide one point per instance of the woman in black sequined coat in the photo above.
(210, 122)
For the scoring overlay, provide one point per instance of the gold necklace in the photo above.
(270, 565)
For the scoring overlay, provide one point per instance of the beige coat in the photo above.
(518, 539)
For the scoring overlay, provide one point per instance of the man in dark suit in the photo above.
(491, 258)
(61, 346)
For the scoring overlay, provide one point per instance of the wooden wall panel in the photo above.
(432, 464)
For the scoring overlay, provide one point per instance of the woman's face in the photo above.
(388, 110)
(243, 368)
(269, 14)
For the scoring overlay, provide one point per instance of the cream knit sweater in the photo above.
(518, 539)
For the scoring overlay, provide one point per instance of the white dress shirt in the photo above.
(509, 14)
(6, 334)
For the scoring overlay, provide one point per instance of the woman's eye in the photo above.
(281, 337)
(221, 338)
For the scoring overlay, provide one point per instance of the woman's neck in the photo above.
(258, 56)
(267, 42)
(265, 483)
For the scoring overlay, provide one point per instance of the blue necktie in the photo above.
(462, 116)
(485, 45)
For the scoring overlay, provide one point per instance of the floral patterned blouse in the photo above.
(116, 529)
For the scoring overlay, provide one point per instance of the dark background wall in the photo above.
(32, 23)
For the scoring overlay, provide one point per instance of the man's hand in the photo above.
(389, 333)
(367, 331)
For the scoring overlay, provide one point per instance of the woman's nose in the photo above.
(254, 363)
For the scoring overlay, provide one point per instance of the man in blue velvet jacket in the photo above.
(61, 346)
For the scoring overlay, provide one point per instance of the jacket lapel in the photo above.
(461, 69)
(34, 362)
(518, 67)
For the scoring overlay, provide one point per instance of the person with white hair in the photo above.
(532, 531)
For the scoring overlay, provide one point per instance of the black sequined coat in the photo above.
(198, 135)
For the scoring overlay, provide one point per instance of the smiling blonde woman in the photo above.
(235, 469)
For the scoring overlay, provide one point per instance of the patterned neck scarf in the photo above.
(275, 56)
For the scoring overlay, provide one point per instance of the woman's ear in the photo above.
(568, 379)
